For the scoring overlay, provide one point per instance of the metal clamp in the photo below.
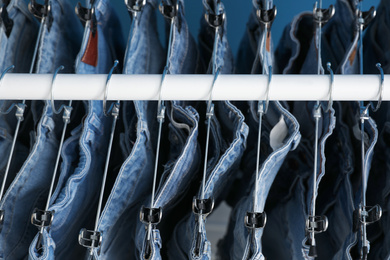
(41, 218)
(67, 113)
(5, 20)
(322, 16)
(150, 215)
(169, 11)
(317, 111)
(364, 18)
(266, 16)
(364, 113)
(20, 107)
(38, 10)
(366, 215)
(215, 20)
(87, 14)
(202, 207)
(316, 224)
(90, 238)
(135, 5)
(255, 220)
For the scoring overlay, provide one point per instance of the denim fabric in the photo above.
(228, 134)
(179, 170)
(144, 54)
(376, 40)
(184, 58)
(224, 55)
(279, 136)
(335, 192)
(17, 49)
(225, 155)
(181, 160)
(28, 190)
(35, 175)
(76, 198)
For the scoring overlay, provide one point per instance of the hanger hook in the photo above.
(19, 107)
(381, 89)
(52, 90)
(209, 103)
(263, 105)
(5, 72)
(116, 62)
(2, 111)
(330, 102)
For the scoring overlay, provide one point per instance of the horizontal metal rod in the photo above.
(192, 87)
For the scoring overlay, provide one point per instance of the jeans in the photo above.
(15, 49)
(181, 167)
(144, 54)
(33, 178)
(376, 39)
(279, 136)
(228, 134)
(35, 175)
(77, 193)
(181, 161)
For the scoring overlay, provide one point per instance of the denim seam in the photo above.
(183, 153)
(137, 146)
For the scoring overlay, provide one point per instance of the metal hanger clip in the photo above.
(90, 238)
(202, 206)
(41, 11)
(266, 16)
(366, 215)
(316, 224)
(87, 14)
(364, 18)
(150, 215)
(322, 16)
(169, 11)
(42, 218)
(135, 5)
(254, 220)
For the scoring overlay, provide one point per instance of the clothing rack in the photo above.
(192, 87)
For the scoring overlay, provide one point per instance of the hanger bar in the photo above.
(193, 87)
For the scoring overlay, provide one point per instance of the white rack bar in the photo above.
(192, 87)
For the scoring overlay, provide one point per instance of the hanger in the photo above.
(266, 14)
(152, 216)
(92, 239)
(318, 224)
(7, 22)
(364, 212)
(43, 218)
(202, 206)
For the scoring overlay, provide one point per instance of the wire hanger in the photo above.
(92, 239)
(266, 14)
(317, 224)
(152, 216)
(365, 214)
(202, 206)
(43, 218)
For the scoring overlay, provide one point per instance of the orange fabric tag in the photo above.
(90, 56)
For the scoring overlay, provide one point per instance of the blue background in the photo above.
(237, 12)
